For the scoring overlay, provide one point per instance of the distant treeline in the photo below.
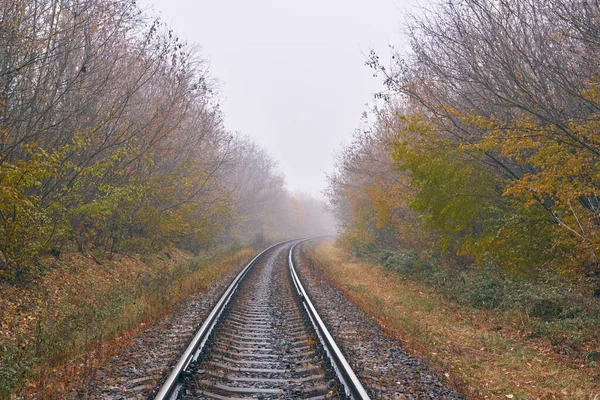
(488, 147)
(111, 136)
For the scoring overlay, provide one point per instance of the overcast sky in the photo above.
(291, 74)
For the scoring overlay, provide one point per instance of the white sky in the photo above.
(291, 74)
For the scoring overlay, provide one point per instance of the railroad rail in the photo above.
(264, 339)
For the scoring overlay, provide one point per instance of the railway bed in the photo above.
(263, 340)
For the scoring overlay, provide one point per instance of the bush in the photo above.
(362, 250)
(548, 300)
(546, 309)
(13, 366)
(482, 289)
(404, 263)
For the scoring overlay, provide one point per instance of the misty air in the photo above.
(380, 199)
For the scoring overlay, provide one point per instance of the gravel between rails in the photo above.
(383, 367)
(264, 346)
(381, 364)
(141, 367)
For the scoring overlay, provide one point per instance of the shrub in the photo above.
(404, 263)
(363, 250)
(547, 299)
(482, 289)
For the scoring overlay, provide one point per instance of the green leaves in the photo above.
(24, 226)
(451, 192)
(468, 205)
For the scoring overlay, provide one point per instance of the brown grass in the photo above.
(58, 330)
(482, 353)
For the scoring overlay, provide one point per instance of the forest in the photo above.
(477, 175)
(487, 146)
(112, 145)
(112, 138)
(477, 181)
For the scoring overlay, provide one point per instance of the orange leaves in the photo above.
(554, 164)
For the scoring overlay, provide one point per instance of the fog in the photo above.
(291, 75)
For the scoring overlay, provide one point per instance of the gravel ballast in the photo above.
(384, 368)
(138, 370)
(379, 361)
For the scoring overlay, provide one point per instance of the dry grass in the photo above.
(483, 353)
(55, 332)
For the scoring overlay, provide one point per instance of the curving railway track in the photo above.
(264, 339)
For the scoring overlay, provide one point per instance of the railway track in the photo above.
(264, 339)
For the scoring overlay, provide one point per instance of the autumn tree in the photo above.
(368, 195)
(111, 134)
(498, 147)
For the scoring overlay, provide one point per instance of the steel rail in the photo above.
(352, 385)
(170, 389)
